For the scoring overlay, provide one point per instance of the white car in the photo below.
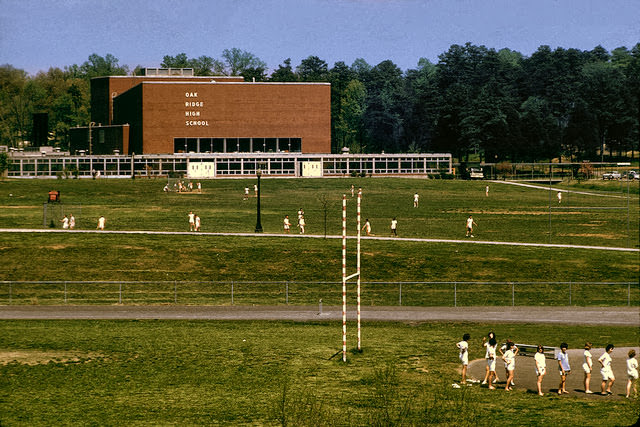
(611, 175)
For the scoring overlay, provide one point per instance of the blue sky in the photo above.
(38, 34)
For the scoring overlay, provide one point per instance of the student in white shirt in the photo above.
(632, 373)
(606, 371)
(541, 367)
(464, 355)
(563, 367)
(491, 361)
(509, 358)
(587, 367)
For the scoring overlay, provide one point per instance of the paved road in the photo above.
(618, 316)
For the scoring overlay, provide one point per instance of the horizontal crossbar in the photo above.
(352, 276)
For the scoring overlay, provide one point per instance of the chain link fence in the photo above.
(420, 294)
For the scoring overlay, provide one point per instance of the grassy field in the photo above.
(275, 373)
(510, 213)
(279, 373)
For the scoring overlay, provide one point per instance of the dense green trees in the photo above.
(497, 105)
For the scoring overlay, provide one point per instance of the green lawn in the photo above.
(201, 372)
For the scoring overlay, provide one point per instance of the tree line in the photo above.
(492, 105)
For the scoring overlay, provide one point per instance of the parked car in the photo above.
(611, 175)
(633, 175)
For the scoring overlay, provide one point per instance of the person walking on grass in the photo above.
(587, 367)
(605, 370)
(416, 198)
(197, 225)
(301, 224)
(563, 367)
(65, 222)
(286, 224)
(470, 224)
(463, 346)
(367, 227)
(541, 368)
(509, 358)
(559, 197)
(101, 222)
(394, 227)
(192, 221)
(632, 373)
(72, 222)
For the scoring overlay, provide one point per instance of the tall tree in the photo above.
(236, 61)
(284, 73)
(313, 69)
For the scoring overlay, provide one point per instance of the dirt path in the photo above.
(525, 376)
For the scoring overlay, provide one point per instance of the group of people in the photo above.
(509, 351)
(301, 222)
(180, 187)
(68, 222)
(194, 221)
(246, 192)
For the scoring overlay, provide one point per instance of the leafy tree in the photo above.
(236, 61)
(202, 66)
(4, 164)
(97, 66)
(350, 124)
(284, 73)
(313, 69)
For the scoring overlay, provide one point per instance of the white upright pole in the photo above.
(344, 278)
(358, 267)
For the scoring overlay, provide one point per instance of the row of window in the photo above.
(237, 145)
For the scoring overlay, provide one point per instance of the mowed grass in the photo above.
(510, 213)
(277, 373)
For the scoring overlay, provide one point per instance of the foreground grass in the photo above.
(202, 372)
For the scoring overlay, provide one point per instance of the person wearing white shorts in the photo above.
(509, 358)
(587, 367)
(541, 367)
(463, 346)
(491, 361)
(607, 373)
(632, 373)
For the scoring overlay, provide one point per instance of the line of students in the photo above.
(509, 352)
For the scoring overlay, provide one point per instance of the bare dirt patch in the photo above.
(39, 357)
(601, 236)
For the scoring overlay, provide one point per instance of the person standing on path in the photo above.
(541, 367)
(563, 367)
(607, 373)
(587, 367)
(632, 373)
(470, 224)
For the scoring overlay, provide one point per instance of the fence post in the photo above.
(455, 294)
(569, 293)
(320, 306)
(65, 291)
(513, 294)
(400, 295)
(10, 292)
(286, 291)
(120, 294)
(629, 294)
(175, 292)
(232, 293)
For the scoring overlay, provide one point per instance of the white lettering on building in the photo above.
(194, 104)
(196, 123)
(192, 113)
(191, 94)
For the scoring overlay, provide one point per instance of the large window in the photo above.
(237, 145)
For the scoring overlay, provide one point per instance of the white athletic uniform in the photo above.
(464, 352)
(585, 365)
(72, 222)
(287, 224)
(101, 223)
(197, 223)
(632, 368)
(606, 371)
(65, 222)
(509, 360)
(491, 358)
(541, 363)
(367, 227)
(416, 197)
(301, 223)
